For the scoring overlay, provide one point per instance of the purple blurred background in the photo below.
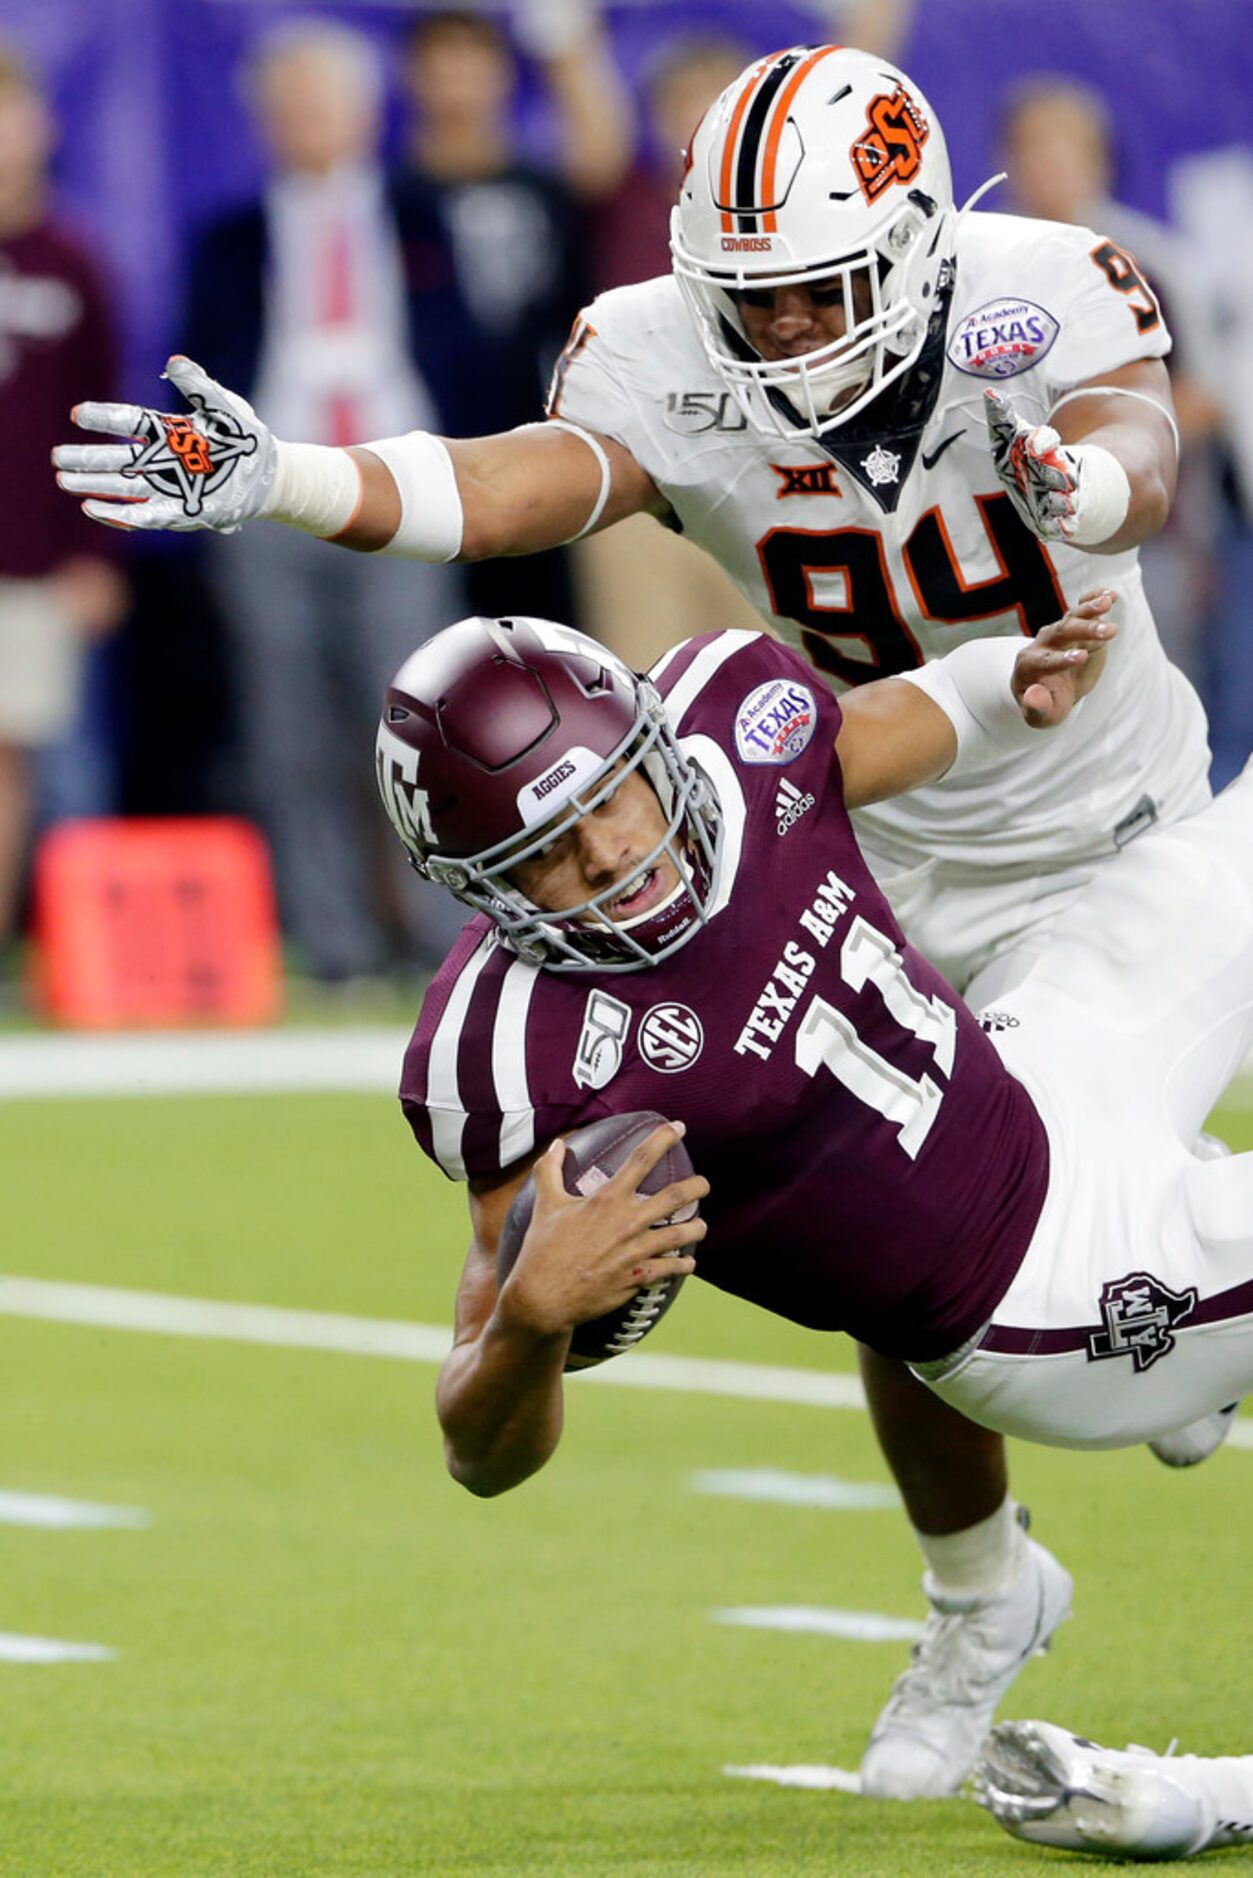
(156, 139)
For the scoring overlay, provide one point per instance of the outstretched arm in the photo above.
(499, 1395)
(218, 466)
(979, 704)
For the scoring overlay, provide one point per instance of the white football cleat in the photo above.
(1195, 1441)
(1050, 1787)
(928, 1737)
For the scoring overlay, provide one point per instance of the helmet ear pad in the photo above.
(816, 164)
(497, 736)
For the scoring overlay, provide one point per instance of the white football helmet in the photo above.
(820, 163)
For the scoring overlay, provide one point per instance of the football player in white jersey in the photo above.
(897, 425)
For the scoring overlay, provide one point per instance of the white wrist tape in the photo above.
(316, 488)
(971, 685)
(1102, 496)
(432, 520)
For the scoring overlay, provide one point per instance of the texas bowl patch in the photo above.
(1002, 339)
(775, 722)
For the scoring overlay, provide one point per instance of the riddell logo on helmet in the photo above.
(746, 244)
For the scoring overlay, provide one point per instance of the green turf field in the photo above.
(331, 1660)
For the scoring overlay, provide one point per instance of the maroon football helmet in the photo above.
(497, 736)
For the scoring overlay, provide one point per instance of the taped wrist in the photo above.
(1103, 495)
(432, 520)
(972, 688)
(316, 488)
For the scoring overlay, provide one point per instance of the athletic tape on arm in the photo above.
(1117, 391)
(432, 520)
(971, 685)
(606, 473)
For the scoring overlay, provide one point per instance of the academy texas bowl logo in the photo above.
(1002, 339)
(775, 722)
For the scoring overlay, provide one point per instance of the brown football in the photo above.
(593, 1155)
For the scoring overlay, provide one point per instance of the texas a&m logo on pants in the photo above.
(1140, 1312)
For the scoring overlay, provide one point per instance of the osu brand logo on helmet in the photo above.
(891, 149)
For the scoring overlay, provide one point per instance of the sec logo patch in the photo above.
(1002, 339)
(775, 722)
(671, 1037)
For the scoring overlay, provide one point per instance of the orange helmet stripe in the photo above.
(774, 131)
(726, 175)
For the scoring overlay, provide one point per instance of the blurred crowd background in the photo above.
(368, 217)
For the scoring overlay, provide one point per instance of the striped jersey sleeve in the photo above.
(469, 1088)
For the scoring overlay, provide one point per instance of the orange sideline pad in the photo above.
(155, 922)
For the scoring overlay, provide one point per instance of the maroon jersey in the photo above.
(56, 346)
(873, 1166)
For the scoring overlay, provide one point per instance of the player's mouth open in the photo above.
(642, 893)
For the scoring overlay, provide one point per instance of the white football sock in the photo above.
(982, 1558)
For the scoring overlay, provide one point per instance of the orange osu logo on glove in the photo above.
(189, 445)
(890, 149)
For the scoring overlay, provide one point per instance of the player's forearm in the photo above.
(500, 1407)
(523, 491)
(1129, 415)
(1150, 472)
(480, 498)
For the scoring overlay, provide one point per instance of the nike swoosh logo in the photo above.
(929, 462)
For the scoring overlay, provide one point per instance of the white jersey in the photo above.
(879, 550)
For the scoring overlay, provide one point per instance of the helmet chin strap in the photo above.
(1002, 176)
(828, 381)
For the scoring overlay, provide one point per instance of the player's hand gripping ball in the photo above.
(593, 1155)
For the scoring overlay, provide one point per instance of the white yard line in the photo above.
(816, 1620)
(842, 1779)
(110, 1308)
(14, 1649)
(113, 1309)
(771, 1483)
(191, 1063)
(53, 1514)
(42, 1065)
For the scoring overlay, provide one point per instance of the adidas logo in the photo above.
(789, 805)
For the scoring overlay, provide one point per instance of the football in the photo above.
(593, 1155)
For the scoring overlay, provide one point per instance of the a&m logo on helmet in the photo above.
(889, 150)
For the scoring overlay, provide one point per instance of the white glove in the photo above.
(212, 469)
(1077, 493)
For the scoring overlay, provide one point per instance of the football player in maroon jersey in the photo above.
(651, 933)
